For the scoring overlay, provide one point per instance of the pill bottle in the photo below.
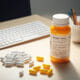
(60, 35)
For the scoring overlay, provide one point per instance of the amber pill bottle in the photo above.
(60, 36)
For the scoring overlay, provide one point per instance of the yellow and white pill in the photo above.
(40, 59)
(37, 68)
(46, 66)
(50, 72)
(32, 72)
(43, 71)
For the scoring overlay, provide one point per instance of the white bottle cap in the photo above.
(60, 19)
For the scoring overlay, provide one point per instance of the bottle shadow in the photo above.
(66, 71)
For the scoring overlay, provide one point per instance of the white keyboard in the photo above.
(22, 33)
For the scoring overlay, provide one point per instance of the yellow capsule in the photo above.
(40, 59)
(50, 72)
(32, 72)
(43, 71)
(46, 66)
(37, 68)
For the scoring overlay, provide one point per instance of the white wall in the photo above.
(49, 7)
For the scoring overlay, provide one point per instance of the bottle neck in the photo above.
(61, 25)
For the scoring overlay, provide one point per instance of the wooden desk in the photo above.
(69, 71)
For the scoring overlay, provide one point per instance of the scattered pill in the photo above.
(43, 71)
(27, 60)
(31, 63)
(32, 72)
(8, 64)
(20, 64)
(37, 68)
(49, 73)
(46, 66)
(39, 58)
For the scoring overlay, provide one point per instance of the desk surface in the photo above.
(69, 71)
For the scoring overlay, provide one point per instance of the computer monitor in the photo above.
(10, 9)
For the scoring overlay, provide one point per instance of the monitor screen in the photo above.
(10, 9)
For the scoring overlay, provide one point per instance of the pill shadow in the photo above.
(66, 71)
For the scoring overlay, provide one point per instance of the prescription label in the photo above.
(60, 46)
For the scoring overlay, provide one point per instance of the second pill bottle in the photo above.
(60, 35)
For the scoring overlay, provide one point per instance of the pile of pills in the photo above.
(16, 59)
(46, 70)
(20, 58)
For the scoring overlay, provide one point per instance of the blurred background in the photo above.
(11, 9)
(49, 7)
